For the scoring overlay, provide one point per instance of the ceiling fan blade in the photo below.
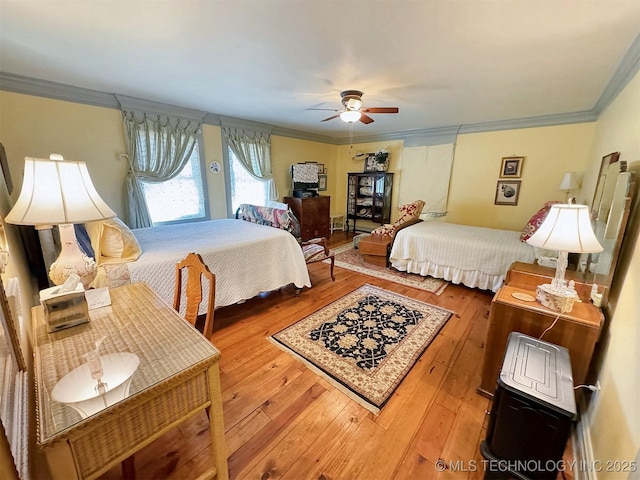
(330, 118)
(381, 110)
(327, 109)
(366, 119)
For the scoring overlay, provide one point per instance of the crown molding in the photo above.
(56, 91)
(140, 106)
(411, 138)
(531, 122)
(287, 132)
(627, 69)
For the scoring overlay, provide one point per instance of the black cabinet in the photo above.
(533, 407)
(369, 197)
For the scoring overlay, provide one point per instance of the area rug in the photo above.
(349, 258)
(366, 342)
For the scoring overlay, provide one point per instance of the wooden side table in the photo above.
(578, 331)
(177, 377)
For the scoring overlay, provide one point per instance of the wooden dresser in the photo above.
(313, 214)
(578, 330)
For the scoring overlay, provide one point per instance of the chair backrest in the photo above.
(196, 270)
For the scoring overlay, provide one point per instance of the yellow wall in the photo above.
(614, 417)
(212, 139)
(286, 151)
(36, 127)
(549, 152)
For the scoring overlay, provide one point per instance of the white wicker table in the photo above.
(178, 376)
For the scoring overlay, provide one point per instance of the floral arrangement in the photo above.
(382, 155)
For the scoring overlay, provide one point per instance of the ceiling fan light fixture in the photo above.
(354, 104)
(350, 116)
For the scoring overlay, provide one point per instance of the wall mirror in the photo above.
(609, 213)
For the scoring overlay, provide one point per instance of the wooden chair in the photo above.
(196, 270)
(316, 250)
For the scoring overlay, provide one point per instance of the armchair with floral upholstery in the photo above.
(314, 250)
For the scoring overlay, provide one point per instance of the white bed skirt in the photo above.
(470, 278)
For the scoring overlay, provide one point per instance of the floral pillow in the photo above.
(409, 211)
(536, 220)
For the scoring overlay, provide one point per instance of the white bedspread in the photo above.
(246, 258)
(473, 256)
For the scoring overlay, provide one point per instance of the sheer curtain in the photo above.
(253, 150)
(158, 150)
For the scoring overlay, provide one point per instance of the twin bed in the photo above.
(246, 258)
(473, 256)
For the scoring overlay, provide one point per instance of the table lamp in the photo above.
(59, 192)
(566, 228)
(569, 182)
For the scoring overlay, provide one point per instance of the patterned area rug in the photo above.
(349, 258)
(366, 342)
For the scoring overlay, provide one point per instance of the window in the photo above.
(181, 198)
(245, 188)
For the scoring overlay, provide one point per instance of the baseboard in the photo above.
(582, 446)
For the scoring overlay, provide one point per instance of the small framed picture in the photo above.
(370, 164)
(507, 192)
(511, 167)
(322, 182)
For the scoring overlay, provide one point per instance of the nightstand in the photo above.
(578, 331)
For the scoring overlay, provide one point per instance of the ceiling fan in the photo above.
(353, 111)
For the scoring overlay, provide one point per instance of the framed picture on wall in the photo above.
(507, 192)
(511, 167)
(322, 182)
(370, 164)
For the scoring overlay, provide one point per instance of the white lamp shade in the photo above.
(350, 116)
(57, 192)
(569, 181)
(567, 228)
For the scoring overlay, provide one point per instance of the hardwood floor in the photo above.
(283, 421)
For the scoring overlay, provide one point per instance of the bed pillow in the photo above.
(113, 241)
(409, 211)
(536, 220)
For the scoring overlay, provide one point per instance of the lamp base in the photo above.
(72, 260)
(558, 299)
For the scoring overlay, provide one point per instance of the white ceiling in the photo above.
(444, 63)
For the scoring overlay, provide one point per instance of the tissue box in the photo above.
(63, 310)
